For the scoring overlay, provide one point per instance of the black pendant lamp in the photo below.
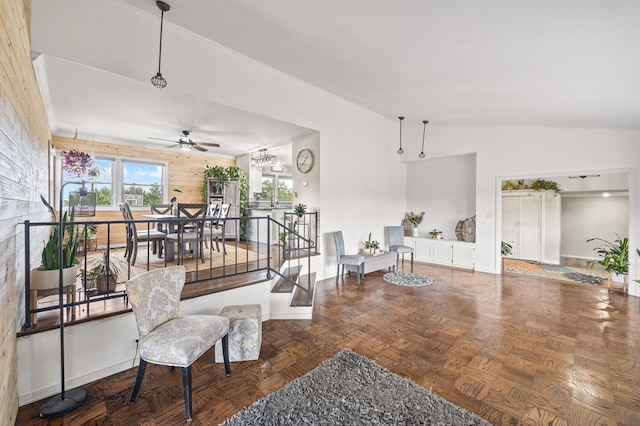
(400, 150)
(158, 80)
(424, 129)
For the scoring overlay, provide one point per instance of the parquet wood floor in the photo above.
(516, 350)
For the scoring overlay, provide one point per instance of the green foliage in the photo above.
(50, 252)
(230, 172)
(548, 185)
(368, 243)
(301, 209)
(104, 197)
(615, 255)
(509, 186)
(506, 249)
(100, 266)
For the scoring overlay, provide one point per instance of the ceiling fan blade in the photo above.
(160, 139)
(175, 146)
(215, 145)
(199, 148)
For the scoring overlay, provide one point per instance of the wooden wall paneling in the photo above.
(184, 172)
(24, 135)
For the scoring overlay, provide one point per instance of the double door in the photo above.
(522, 225)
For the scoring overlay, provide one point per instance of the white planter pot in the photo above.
(48, 279)
(620, 279)
(415, 231)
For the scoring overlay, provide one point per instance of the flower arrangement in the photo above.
(78, 164)
(414, 218)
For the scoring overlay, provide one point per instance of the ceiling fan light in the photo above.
(185, 147)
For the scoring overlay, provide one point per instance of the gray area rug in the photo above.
(407, 279)
(351, 389)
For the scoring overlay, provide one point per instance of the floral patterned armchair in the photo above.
(166, 338)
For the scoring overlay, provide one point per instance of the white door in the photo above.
(530, 223)
(521, 226)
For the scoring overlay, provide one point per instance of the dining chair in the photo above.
(165, 336)
(346, 259)
(395, 239)
(160, 209)
(215, 232)
(189, 231)
(134, 236)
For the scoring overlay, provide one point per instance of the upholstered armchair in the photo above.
(165, 337)
(346, 259)
(395, 239)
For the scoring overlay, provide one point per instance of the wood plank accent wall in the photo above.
(24, 137)
(185, 172)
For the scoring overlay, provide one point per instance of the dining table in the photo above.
(168, 223)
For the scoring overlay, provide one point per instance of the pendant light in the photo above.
(400, 150)
(158, 80)
(424, 129)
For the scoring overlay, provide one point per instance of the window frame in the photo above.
(117, 179)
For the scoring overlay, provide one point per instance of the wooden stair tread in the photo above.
(301, 297)
(286, 286)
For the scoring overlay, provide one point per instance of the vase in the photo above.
(415, 231)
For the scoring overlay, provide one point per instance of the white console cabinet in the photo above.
(460, 254)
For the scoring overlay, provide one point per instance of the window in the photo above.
(283, 184)
(124, 180)
(142, 183)
(285, 189)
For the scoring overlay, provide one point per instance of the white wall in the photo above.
(511, 152)
(592, 216)
(443, 188)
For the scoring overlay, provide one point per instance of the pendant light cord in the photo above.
(160, 50)
(424, 129)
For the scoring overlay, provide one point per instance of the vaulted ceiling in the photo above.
(499, 62)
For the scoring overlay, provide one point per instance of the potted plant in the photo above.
(614, 257)
(300, 209)
(102, 274)
(521, 184)
(506, 249)
(415, 219)
(546, 185)
(435, 234)
(371, 246)
(508, 186)
(46, 276)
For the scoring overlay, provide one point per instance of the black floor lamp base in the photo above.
(56, 406)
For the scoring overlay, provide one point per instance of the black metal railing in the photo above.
(266, 244)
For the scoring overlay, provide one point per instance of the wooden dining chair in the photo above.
(134, 236)
(160, 209)
(189, 231)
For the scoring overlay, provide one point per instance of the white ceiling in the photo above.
(499, 62)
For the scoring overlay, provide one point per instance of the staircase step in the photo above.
(301, 297)
(285, 286)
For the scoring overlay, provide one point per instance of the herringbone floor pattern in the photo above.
(515, 350)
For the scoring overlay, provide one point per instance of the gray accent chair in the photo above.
(346, 259)
(395, 238)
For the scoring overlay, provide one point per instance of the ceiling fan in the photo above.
(185, 143)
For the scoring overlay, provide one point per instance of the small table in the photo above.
(377, 261)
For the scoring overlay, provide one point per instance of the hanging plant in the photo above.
(78, 164)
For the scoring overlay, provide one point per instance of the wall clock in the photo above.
(304, 161)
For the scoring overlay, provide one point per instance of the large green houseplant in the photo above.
(614, 256)
(46, 275)
(224, 173)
